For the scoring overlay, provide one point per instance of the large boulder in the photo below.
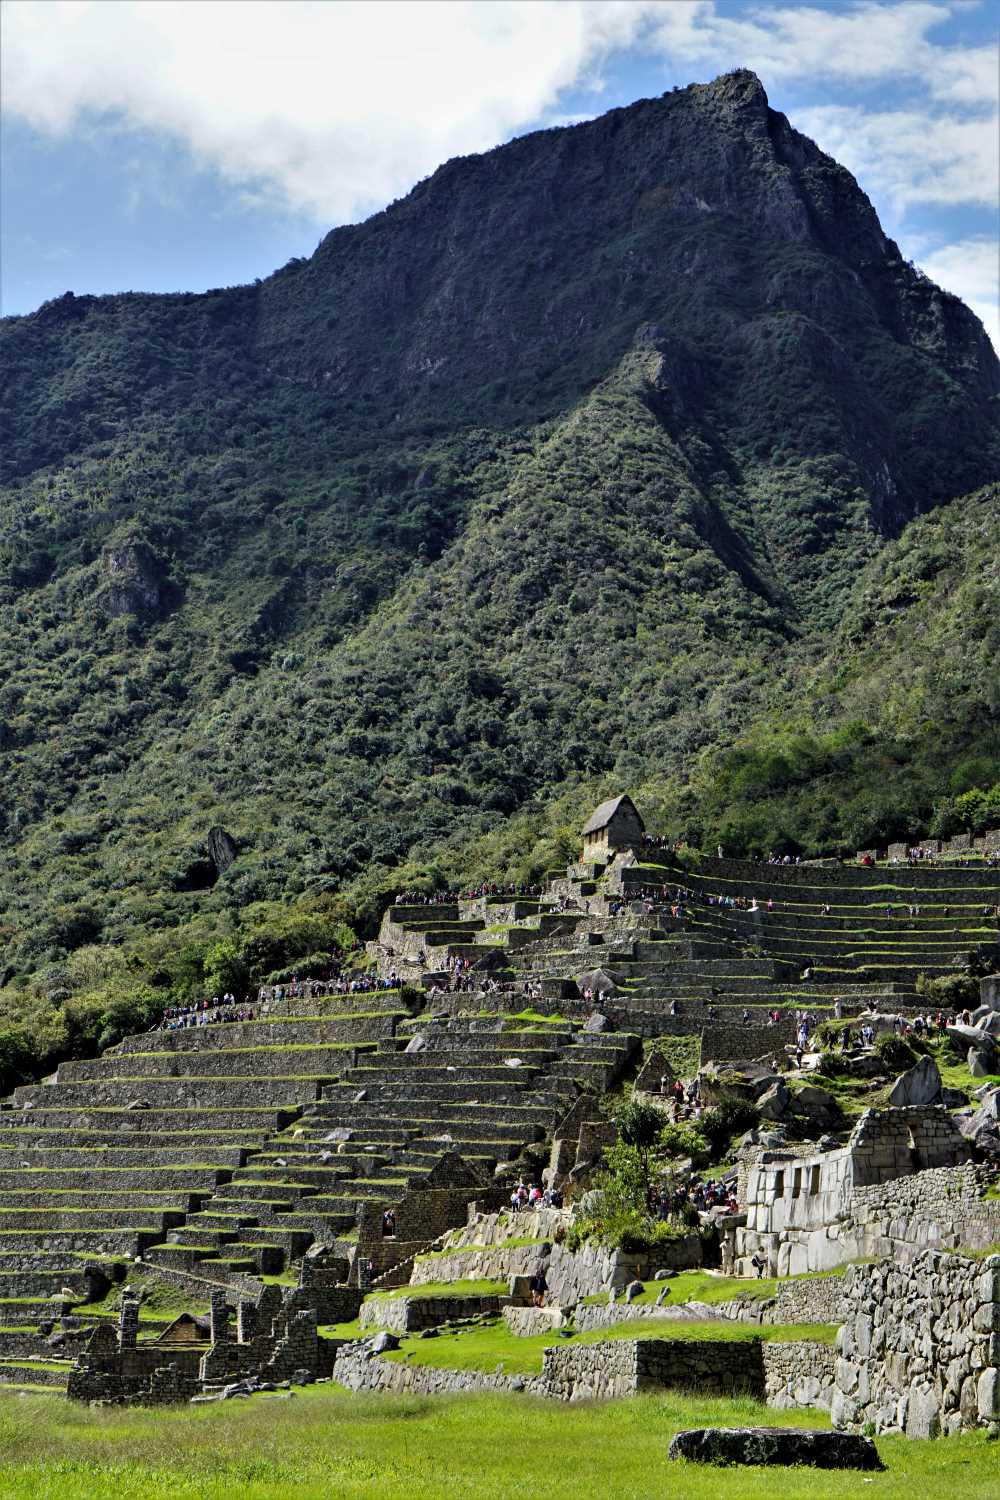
(814, 1105)
(965, 1037)
(596, 1022)
(918, 1086)
(774, 1103)
(981, 1061)
(776, 1445)
(987, 1116)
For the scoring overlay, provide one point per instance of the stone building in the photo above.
(615, 825)
(812, 1212)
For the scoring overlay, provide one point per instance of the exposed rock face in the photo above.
(133, 585)
(221, 849)
(775, 1445)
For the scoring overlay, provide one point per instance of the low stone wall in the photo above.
(590, 1316)
(623, 1367)
(582, 1372)
(940, 1209)
(407, 1314)
(32, 1375)
(799, 1373)
(816, 1299)
(235, 1286)
(359, 1370)
(920, 1349)
(726, 1043)
(494, 1264)
(477, 1252)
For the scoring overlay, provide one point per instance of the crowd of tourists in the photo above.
(485, 888)
(526, 1195)
(206, 1013)
(677, 1199)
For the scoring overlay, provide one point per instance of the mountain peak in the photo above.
(740, 88)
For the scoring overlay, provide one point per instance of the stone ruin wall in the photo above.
(919, 1352)
(903, 1182)
(613, 1370)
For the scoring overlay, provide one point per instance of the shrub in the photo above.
(895, 1051)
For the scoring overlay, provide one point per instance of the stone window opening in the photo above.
(814, 1176)
(779, 1184)
(797, 1183)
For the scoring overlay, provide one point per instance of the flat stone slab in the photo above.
(776, 1445)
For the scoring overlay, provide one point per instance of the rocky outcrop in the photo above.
(133, 581)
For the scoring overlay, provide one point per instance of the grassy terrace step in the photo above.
(166, 1093)
(426, 1110)
(59, 1179)
(30, 1372)
(113, 1123)
(273, 1030)
(840, 920)
(112, 1202)
(125, 1239)
(166, 1145)
(292, 1241)
(495, 1063)
(88, 1218)
(423, 1116)
(439, 1075)
(297, 1175)
(317, 1225)
(267, 1062)
(742, 877)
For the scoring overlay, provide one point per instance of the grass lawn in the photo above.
(700, 1286)
(325, 1444)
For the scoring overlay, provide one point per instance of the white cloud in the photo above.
(868, 43)
(907, 157)
(969, 269)
(334, 108)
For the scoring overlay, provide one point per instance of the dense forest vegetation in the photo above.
(625, 456)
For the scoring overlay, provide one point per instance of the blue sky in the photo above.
(170, 145)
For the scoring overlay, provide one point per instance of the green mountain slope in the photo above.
(895, 731)
(557, 475)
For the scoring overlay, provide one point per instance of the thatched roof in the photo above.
(601, 816)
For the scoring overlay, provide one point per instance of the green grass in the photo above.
(446, 1289)
(160, 1300)
(700, 1286)
(349, 1330)
(516, 1242)
(325, 1444)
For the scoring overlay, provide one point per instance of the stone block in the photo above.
(782, 1446)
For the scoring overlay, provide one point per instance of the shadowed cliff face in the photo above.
(608, 419)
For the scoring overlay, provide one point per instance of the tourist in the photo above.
(538, 1286)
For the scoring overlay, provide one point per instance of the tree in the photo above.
(640, 1127)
